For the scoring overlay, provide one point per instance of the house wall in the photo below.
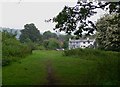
(86, 44)
(80, 43)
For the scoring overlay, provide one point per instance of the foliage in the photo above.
(60, 40)
(82, 52)
(48, 34)
(51, 43)
(12, 49)
(65, 44)
(30, 33)
(108, 32)
(40, 47)
(76, 19)
(64, 39)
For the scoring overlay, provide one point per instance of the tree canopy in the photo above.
(108, 32)
(75, 19)
(30, 33)
(49, 34)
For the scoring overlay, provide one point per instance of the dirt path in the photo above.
(52, 80)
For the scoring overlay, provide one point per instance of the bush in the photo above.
(82, 52)
(12, 49)
(52, 44)
(40, 47)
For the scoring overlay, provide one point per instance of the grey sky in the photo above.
(15, 15)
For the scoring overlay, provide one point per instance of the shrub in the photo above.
(12, 49)
(52, 44)
(40, 47)
(83, 52)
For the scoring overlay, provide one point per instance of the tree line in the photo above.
(14, 48)
(47, 40)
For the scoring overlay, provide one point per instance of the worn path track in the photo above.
(52, 80)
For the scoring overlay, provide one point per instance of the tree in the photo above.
(48, 34)
(75, 19)
(30, 32)
(52, 43)
(108, 32)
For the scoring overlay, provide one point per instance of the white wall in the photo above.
(79, 44)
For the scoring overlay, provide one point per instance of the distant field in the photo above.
(52, 67)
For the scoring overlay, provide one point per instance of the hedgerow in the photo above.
(12, 49)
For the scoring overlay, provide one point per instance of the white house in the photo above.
(81, 43)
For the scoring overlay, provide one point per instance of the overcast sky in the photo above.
(16, 15)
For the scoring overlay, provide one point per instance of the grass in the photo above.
(28, 71)
(69, 70)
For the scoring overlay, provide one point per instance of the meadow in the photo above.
(73, 67)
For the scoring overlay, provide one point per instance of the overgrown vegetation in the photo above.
(107, 64)
(12, 49)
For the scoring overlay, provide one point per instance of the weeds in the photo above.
(107, 64)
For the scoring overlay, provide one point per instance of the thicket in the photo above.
(107, 64)
(12, 49)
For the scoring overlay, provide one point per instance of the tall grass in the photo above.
(107, 67)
